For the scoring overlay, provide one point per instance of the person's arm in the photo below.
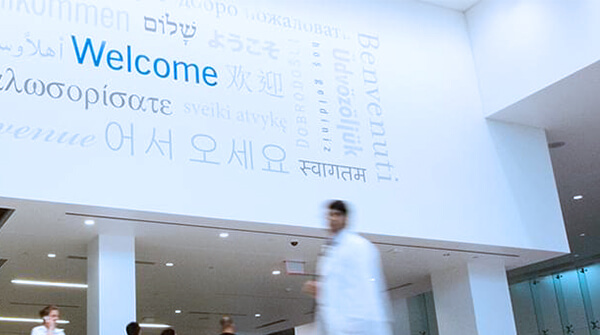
(311, 287)
(50, 324)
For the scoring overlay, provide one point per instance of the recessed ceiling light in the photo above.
(51, 255)
(28, 320)
(276, 272)
(177, 311)
(224, 235)
(576, 255)
(89, 222)
(582, 234)
(578, 197)
(257, 315)
(169, 264)
(154, 325)
(47, 283)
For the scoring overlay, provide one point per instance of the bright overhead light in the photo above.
(89, 222)
(578, 197)
(257, 315)
(47, 283)
(169, 264)
(27, 320)
(276, 272)
(582, 234)
(154, 325)
(51, 255)
(177, 311)
(224, 235)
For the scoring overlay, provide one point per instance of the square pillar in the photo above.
(473, 299)
(111, 284)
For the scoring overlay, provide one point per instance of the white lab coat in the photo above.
(42, 330)
(352, 296)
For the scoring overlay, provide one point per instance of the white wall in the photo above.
(436, 172)
(522, 46)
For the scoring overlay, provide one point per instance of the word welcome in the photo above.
(140, 64)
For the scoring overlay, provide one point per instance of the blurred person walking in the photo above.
(350, 290)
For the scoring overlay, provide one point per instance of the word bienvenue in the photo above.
(92, 96)
(323, 170)
(38, 134)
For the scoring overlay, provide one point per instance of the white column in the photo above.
(401, 325)
(111, 284)
(473, 299)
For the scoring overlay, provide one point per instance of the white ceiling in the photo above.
(211, 275)
(569, 111)
(459, 5)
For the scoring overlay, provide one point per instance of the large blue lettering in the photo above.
(88, 44)
(137, 64)
(159, 67)
(167, 70)
(110, 58)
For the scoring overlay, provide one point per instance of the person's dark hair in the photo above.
(338, 205)
(169, 331)
(133, 328)
(226, 321)
(47, 310)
